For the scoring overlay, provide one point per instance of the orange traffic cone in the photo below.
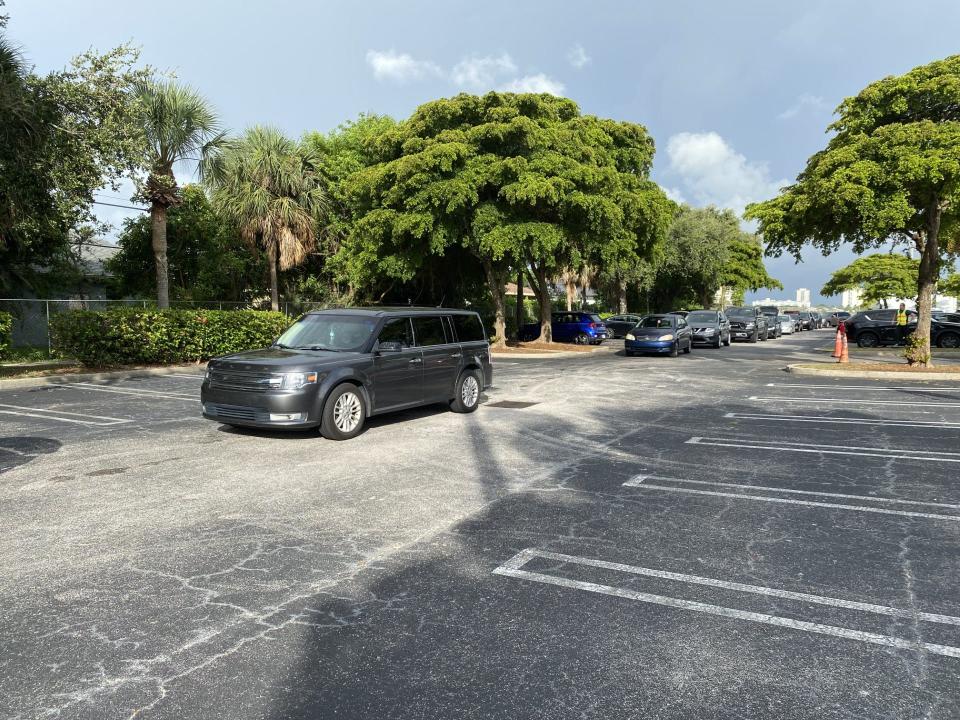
(844, 353)
(838, 343)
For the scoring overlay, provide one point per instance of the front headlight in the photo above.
(631, 336)
(709, 331)
(666, 337)
(293, 381)
(750, 326)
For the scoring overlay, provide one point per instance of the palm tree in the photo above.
(179, 126)
(270, 186)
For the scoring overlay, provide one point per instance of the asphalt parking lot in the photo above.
(700, 537)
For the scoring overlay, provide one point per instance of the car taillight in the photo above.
(593, 325)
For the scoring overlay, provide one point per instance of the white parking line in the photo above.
(863, 387)
(641, 482)
(847, 401)
(930, 455)
(514, 568)
(844, 421)
(144, 393)
(77, 419)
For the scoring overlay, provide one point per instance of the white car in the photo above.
(786, 324)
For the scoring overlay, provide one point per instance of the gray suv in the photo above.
(333, 369)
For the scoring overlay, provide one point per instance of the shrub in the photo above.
(150, 336)
(6, 334)
(915, 352)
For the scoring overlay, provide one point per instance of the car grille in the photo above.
(737, 325)
(238, 380)
(235, 412)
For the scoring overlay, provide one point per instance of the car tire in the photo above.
(467, 391)
(728, 340)
(754, 338)
(675, 350)
(687, 349)
(868, 339)
(581, 339)
(628, 353)
(949, 340)
(344, 413)
(718, 342)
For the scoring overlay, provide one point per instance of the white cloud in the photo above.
(538, 83)
(399, 67)
(806, 101)
(674, 194)
(577, 56)
(713, 173)
(481, 73)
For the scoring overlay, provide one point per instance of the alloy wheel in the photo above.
(346, 412)
(469, 391)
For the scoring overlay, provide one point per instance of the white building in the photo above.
(803, 297)
(852, 298)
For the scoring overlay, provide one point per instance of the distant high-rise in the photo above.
(852, 298)
(803, 297)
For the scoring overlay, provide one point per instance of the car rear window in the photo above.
(468, 327)
(429, 331)
(595, 318)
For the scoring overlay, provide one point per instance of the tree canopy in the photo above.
(506, 181)
(891, 171)
(878, 277)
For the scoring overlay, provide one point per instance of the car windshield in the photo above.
(342, 333)
(739, 312)
(656, 322)
(701, 317)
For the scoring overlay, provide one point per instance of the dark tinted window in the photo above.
(429, 331)
(883, 314)
(657, 322)
(469, 328)
(397, 330)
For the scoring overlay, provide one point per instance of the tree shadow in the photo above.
(20, 450)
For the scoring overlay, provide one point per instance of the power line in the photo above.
(125, 207)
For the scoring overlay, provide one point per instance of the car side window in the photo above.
(883, 315)
(468, 327)
(681, 323)
(397, 330)
(428, 330)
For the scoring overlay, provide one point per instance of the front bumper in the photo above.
(742, 333)
(648, 346)
(703, 339)
(289, 409)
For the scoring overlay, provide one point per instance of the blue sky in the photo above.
(736, 94)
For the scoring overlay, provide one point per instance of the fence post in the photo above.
(49, 341)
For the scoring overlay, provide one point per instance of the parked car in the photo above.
(659, 334)
(797, 322)
(820, 320)
(772, 314)
(620, 325)
(836, 318)
(333, 369)
(747, 323)
(806, 321)
(709, 327)
(681, 313)
(786, 324)
(873, 328)
(580, 328)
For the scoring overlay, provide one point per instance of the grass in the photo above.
(854, 367)
(28, 354)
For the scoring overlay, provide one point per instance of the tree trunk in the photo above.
(496, 279)
(158, 223)
(621, 297)
(926, 287)
(541, 286)
(520, 314)
(274, 292)
(571, 287)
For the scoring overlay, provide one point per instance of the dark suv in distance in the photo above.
(772, 314)
(747, 323)
(335, 368)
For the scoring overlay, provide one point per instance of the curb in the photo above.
(873, 374)
(66, 379)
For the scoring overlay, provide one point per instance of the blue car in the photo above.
(577, 327)
(660, 334)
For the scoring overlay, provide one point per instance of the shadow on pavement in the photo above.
(17, 451)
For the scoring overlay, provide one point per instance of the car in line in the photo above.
(659, 334)
(747, 323)
(580, 328)
(834, 319)
(874, 328)
(709, 327)
(333, 369)
(787, 324)
(620, 325)
(772, 315)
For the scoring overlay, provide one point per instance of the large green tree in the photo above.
(179, 127)
(269, 186)
(207, 258)
(878, 277)
(950, 285)
(507, 182)
(890, 172)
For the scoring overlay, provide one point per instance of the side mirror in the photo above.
(389, 346)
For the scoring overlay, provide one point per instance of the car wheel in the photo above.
(344, 413)
(467, 392)
(754, 337)
(868, 339)
(688, 348)
(728, 340)
(675, 349)
(949, 340)
(628, 353)
(581, 339)
(718, 342)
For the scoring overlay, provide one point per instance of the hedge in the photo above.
(6, 334)
(149, 336)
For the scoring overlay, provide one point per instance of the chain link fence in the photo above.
(31, 317)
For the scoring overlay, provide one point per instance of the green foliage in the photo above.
(917, 350)
(207, 259)
(62, 137)
(950, 285)
(879, 276)
(153, 336)
(6, 334)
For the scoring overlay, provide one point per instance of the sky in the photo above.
(737, 95)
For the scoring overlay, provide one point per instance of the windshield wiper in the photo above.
(282, 346)
(315, 347)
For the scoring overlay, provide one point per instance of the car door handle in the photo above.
(416, 361)
(456, 355)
